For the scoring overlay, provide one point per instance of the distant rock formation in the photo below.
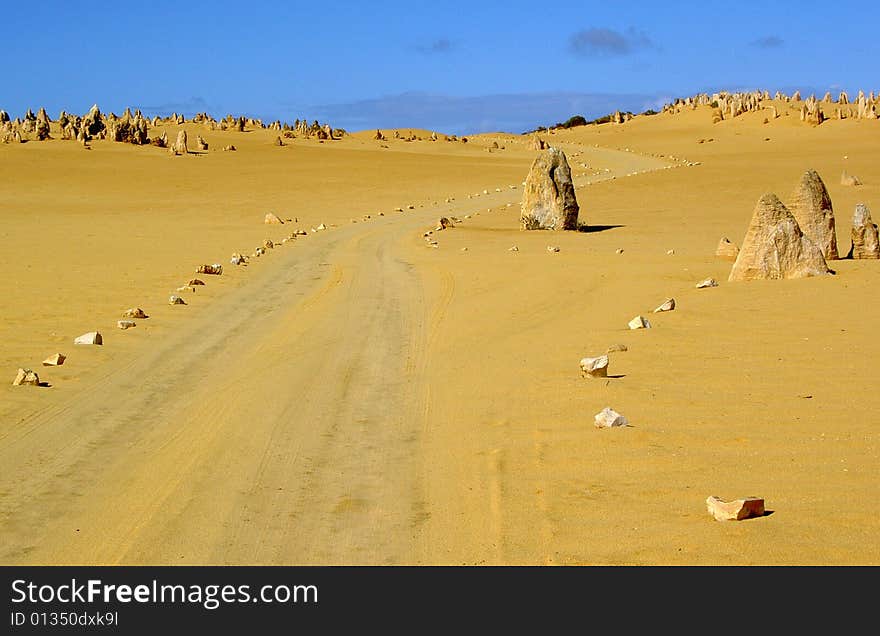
(865, 239)
(849, 179)
(810, 204)
(179, 147)
(549, 201)
(775, 247)
(93, 123)
(128, 129)
(811, 113)
(272, 219)
(201, 144)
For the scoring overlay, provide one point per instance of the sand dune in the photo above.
(355, 396)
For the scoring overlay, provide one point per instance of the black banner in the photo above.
(239, 599)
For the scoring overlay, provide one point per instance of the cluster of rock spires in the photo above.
(812, 111)
(134, 127)
(380, 136)
(798, 240)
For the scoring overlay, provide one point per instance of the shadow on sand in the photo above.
(596, 228)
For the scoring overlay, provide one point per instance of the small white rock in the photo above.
(215, 269)
(608, 417)
(176, 300)
(709, 282)
(134, 312)
(639, 322)
(90, 338)
(669, 305)
(595, 367)
(126, 324)
(55, 360)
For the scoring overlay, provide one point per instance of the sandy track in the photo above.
(276, 428)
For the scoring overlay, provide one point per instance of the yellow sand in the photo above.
(359, 397)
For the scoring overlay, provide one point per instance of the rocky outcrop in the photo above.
(726, 249)
(93, 123)
(201, 144)
(811, 206)
(811, 113)
(549, 201)
(775, 247)
(128, 129)
(865, 239)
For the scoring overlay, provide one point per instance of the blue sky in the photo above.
(458, 67)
